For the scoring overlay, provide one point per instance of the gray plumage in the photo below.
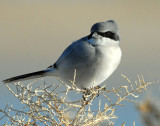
(94, 57)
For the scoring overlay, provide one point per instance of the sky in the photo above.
(34, 33)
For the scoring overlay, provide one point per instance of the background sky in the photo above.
(34, 33)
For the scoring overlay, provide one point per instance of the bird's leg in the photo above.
(85, 93)
(88, 92)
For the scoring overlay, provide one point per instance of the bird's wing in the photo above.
(68, 50)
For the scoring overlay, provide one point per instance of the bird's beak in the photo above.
(95, 35)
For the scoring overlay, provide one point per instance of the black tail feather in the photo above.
(26, 76)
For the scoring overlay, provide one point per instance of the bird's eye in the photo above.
(101, 34)
(108, 33)
(105, 34)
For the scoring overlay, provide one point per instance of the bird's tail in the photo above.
(27, 76)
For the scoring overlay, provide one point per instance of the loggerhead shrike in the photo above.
(94, 57)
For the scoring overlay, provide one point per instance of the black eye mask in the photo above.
(108, 34)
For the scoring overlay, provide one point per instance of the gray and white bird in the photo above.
(94, 57)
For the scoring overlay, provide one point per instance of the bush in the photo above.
(47, 105)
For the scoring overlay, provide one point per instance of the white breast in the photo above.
(108, 60)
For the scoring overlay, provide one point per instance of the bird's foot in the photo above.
(88, 92)
(99, 88)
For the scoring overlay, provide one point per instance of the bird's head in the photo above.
(103, 33)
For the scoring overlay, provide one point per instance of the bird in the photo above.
(94, 58)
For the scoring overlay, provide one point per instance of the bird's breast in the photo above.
(107, 60)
